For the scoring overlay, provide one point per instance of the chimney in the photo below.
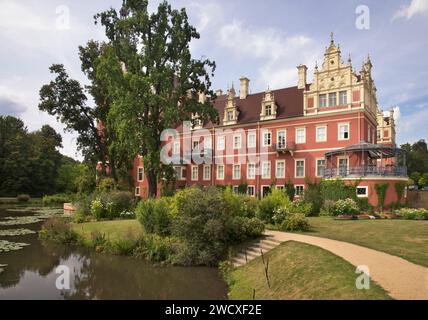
(202, 97)
(219, 92)
(302, 76)
(244, 90)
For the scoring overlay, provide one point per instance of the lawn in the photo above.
(404, 238)
(113, 230)
(300, 271)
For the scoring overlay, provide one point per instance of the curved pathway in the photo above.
(401, 278)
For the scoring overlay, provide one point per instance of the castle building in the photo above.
(328, 129)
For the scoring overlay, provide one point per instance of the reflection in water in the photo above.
(31, 274)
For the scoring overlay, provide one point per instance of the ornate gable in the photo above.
(231, 112)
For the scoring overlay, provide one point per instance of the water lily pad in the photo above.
(15, 232)
(6, 246)
(16, 221)
(42, 211)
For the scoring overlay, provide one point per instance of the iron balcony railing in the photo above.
(362, 171)
(284, 146)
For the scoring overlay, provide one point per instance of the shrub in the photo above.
(111, 205)
(327, 209)
(243, 228)
(347, 206)
(23, 198)
(280, 214)
(313, 198)
(239, 204)
(155, 248)
(302, 206)
(380, 189)
(364, 205)
(98, 211)
(58, 230)
(106, 185)
(412, 214)
(337, 190)
(155, 215)
(289, 190)
(399, 190)
(56, 199)
(295, 222)
(269, 204)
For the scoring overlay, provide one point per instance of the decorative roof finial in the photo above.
(349, 58)
(316, 65)
(331, 37)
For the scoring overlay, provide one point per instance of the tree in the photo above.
(417, 157)
(153, 81)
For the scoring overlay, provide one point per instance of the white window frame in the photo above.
(325, 100)
(335, 99)
(295, 168)
(142, 174)
(262, 187)
(217, 172)
(197, 173)
(304, 135)
(235, 189)
(316, 133)
(207, 178)
(181, 177)
(264, 140)
(137, 191)
(248, 170)
(338, 131)
(346, 98)
(221, 146)
(240, 141)
(176, 147)
(196, 145)
(347, 164)
(254, 190)
(298, 186)
(270, 170)
(365, 195)
(233, 172)
(280, 187)
(317, 174)
(252, 133)
(276, 169)
(285, 137)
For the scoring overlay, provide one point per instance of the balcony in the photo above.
(366, 171)
(284, 147)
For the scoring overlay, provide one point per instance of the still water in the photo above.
(31, 273)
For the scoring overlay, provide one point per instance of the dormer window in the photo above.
(268, 111)
(230, 115)
(231, 112)
(197, 121)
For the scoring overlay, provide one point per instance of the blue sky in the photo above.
(263, 40)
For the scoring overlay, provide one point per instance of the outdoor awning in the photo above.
(375, 151)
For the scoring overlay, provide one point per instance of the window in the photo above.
(321, 134)
(265, 191)
(268, 110)
(251, 191)
(320, 168)
(176, 148)
(237, 142)
(300, 135)
(378, 136)
(300, 168)
(137, 191)
(299, 190)
(343, 97)
(266, 170)
(220, 171)
(207, 143)
(180, 173)
(281, 139)
(280, 187)
(207, 172)
(280, 168)
(236, 171)
(323, 100)
(229, 115)
(195, 145)
(195, 173)
(267, 138)
(220, 143)
(332, 100)
(235, 189)
(362, 192)
(343, 166)
(140, 174)
(343, 131)
(251, 139)
(251, 171)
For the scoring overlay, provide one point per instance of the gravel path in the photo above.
(401, 278)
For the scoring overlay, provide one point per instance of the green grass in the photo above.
(300, 271)
(113, 230)
(404, 238)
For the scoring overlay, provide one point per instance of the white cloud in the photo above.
(414, 8)
(207, 14)
(276, 49)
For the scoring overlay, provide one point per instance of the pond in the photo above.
(28, 270)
